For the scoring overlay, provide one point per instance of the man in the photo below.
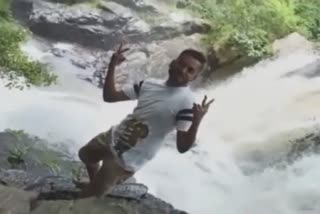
(163, 106)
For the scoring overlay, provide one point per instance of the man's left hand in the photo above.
(200, 110)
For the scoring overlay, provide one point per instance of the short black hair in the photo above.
(195, 54)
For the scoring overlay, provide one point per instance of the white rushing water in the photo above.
(258, 110)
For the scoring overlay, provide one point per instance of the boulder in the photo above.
(40, 191)
(138, 5)
(291, 43)
(143, 60)
(57, 194)
(21, 151)
(14, 200)
(225, 63)
(99, 28)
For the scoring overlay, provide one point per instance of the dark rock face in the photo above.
(41, 189)
(130, 197)
(101, 28)
(289, 154)
(144, 60)
(22, 151)
(138, 5)
(311, 70)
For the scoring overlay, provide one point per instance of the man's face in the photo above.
(184, 69)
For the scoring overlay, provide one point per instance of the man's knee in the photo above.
(92, 152)
(83, 154)
(89, 155)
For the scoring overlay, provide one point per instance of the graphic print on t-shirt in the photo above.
(132, 131)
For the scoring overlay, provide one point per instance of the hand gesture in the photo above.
(117, 57)
(200, 110)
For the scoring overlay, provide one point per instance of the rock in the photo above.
(21, 190)
(100, 29)
(182, 3)
(17, 178)
(138, 5)
(224, 63)
(143, 60)
(37, 157)
(116, 9)
(286, 155)
(82, 25)
(292, 42)
(54, 193)
(13, 200)
(102, 205)
(308, 144)
(62, 188)
(311, 70)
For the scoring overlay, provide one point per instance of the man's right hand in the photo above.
(117, 57)
(110, 93)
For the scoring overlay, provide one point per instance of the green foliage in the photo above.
(53, 166)
(14, 64)
(249, 27)
(16, 155)
(4, 8)
(77, 173)
(31, 152)
(310, 24)
(19, 134)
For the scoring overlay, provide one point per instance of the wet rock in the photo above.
(291, 43)
(311, 70)
(39, 191)
(37, 157)
(54, 193)
(17, 178)
(138, 5)
(182, 3)
(143, 60)
(14, 200)
(117, 9)
(99, 28)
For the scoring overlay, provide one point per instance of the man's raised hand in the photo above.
(200, 110)
(117, 57)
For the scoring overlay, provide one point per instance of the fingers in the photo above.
(211, 101)
(204, 104)
(124, 50)
(120, 47)
(204, 100)
(196, 107)
(119, 50)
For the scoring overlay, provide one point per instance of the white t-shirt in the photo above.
(161, 109)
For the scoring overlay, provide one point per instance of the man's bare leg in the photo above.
(90, 155)
(103, 181)
(92, 170)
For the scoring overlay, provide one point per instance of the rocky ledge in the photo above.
(105, 25)
(37, 178)
(56, 194)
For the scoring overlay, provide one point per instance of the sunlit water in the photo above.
(258, 110)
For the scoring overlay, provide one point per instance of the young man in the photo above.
(163, 106)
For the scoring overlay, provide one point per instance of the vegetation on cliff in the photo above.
(248, 27)
(14, 64)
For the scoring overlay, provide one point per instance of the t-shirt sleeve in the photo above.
(184, 114)
(133, 90)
